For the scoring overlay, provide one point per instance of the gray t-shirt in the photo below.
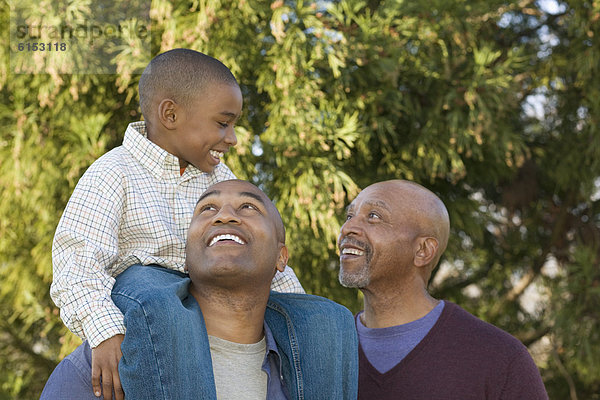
(238, 369)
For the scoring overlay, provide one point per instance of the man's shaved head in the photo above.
(180, 75)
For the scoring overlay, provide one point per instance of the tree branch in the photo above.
(530, 337)
(517, 290)
(563, 371)
(454, 284)
(25, 347)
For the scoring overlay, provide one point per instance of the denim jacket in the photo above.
(166, 339)
(317, 346)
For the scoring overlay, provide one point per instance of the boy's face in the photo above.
(206, 129)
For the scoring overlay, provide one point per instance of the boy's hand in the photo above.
(105, 367)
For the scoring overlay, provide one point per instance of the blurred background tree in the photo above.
(494, 105)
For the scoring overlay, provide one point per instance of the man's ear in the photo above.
(168, 113)
(283, 257)
(426, 252)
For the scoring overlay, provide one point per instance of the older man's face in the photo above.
(232, 238)
(375, 241)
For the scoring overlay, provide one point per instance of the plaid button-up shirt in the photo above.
(131, 206)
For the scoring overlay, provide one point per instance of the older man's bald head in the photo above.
(426, 209)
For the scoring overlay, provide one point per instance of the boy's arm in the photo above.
(85, 247)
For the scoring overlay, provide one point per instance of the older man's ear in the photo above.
(283, 258)
(426, 252)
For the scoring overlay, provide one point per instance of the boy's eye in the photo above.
(248, 206)
(223, 124)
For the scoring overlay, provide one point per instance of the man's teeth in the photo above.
(225, 237)
(356, 252)
(216, 154)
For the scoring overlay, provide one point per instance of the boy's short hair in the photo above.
(181, 75)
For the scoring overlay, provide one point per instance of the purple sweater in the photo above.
(461, 358)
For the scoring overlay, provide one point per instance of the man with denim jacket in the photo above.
(236, 242)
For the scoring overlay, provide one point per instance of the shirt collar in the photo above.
(271, 344)
(272, 366)
(157, 160)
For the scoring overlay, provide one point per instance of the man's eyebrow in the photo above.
(230, 114)
(379, 203)
(207, 194)
(254, 196)
(376, 203)
(215, 192)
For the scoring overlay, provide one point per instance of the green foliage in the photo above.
(578, 300)
(338, 95)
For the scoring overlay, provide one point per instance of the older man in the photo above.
(411, 345)
(247, 342)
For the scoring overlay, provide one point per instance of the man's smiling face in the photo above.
(377, 241)
(235, 237)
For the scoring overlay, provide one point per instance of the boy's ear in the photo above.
(283, 258)
(168, 113)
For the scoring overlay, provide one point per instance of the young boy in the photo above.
(135, 203)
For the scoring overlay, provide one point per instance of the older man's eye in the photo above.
(374, 215)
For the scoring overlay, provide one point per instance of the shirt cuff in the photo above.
(103, 324)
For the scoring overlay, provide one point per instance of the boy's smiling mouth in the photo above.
(216, 154)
